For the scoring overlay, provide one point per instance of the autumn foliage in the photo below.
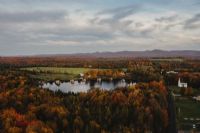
(26, 108)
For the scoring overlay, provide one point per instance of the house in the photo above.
(181, 84)
(172, 72)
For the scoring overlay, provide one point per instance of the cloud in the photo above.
(33, 16)
(167, 19)
(56, 28)
(193, 23)
(121, 12)
(117, 19)
(167, 22)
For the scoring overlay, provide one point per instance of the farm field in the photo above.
(53, 73)
(63, 70)
(53, 76)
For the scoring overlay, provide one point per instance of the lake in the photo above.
(76, 86)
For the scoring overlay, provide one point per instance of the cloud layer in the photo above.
(50, 27)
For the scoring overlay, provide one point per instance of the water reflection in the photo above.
(85, 86)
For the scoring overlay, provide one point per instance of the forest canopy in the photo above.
(27, 108)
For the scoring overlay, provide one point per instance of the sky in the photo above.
(31, 27)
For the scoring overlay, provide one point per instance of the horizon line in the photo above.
(54, 54)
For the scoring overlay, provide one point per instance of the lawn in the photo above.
(187, 111)
(188, 107)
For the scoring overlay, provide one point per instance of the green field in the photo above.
(53, 77)
(53, 73)
(63, 70)
(187, 109)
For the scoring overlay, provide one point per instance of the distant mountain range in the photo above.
(195, 54)
(133, 54)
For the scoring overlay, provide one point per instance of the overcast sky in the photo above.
(29, 27)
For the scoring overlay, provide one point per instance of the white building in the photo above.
(182, 85)
(172, 72)
(131, 84)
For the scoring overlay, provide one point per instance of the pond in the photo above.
(76, 86)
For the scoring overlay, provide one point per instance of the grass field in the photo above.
(188, 107)
(187, 111)
(61, 70)
(54, 73)
(54, 76)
